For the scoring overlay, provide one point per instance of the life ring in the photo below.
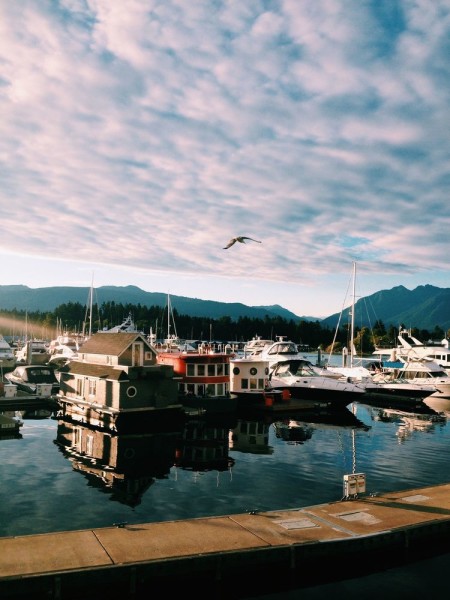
(129, 453)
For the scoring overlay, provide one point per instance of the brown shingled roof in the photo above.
(90, 370)
(113, 344)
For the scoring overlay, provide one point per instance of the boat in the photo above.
(368, 374)
(34, 352)
(249, 382)
(127, 326)
(203, 378)
(422, 372)
(300, 378)
(65, 347)
(275, 351)
(117, 384)
(7, 356)
(39, 380)
(410, 348)
(171, 343)
(256, 345)
(9, 426)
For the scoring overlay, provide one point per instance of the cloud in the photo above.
(147, 134)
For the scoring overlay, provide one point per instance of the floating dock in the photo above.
(232, 556)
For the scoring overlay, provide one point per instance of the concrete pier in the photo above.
(232, 556)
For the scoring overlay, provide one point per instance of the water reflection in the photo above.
(298, 428)
(251, 436)
(172, 473)
(203, 444)
(123, 465)
(408, 422)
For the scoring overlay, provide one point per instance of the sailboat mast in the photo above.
(90, 305)
(352, 321)
(168, 316)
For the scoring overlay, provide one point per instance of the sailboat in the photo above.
(379, 391)
(171, 343)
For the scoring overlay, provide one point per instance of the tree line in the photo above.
(73, 317)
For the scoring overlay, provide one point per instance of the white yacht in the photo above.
(419, 372)
(34, 352)
(303, 381)
(7, 357)
(409, 348)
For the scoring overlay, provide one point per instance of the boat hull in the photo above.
(328, 397)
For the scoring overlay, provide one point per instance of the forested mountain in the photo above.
(425, 307)
(21, 297)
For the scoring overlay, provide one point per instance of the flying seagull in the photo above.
(240, 238)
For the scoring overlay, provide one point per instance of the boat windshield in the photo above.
(287, 348)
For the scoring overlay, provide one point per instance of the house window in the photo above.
(92, 387)
(244, 384)
(77, 438)
(200, 370)
(90, 445)
(80, 387)
(211, 370)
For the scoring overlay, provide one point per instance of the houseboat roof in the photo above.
(98, 371)
(112, 343)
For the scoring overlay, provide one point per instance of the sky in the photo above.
(138, 137)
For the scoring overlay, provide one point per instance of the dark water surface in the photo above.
(51, 482)
(46, 485)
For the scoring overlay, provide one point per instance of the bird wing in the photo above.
(230, 243)
(248, 238)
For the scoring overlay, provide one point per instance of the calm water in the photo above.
(48, 485)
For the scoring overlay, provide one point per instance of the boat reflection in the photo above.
(440, 405)
(422, 419)
(251, 435)
(125, 465)
(204, 444)
(297, 429)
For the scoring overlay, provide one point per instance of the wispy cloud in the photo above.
(146, 134)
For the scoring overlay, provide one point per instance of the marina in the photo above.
(139, 440)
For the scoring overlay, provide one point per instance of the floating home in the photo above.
(116, 383)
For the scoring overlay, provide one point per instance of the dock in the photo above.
(230, 556)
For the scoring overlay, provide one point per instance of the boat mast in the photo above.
(168, 317)
(352, 321)
(90, 305)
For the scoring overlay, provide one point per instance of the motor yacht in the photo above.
(409, 348)
(7, 357)
(419, 372)
(303, 381)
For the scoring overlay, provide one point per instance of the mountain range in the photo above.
(425, 307)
